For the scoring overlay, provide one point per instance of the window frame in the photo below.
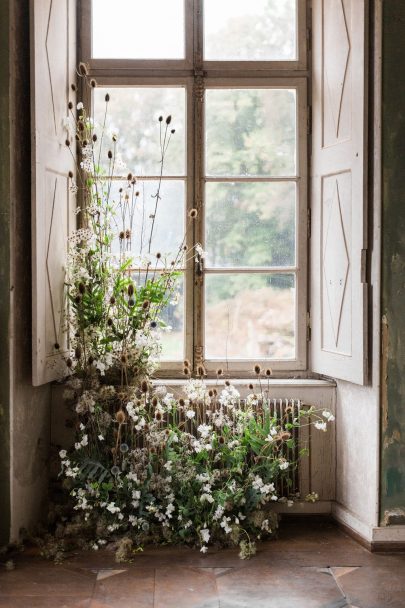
(195, 75)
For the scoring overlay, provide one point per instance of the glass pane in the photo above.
(133, 115)
(249, 316)
(250, 132)
(131, 29)
(250, 224)
(258, 30)
(172, 332)
(135, 213)
(173, 316)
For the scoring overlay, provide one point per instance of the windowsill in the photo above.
(273, 382)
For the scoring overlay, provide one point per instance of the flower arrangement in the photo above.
(116, 293)
(197, 470)
(200, 469)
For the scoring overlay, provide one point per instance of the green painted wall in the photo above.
(393, 265)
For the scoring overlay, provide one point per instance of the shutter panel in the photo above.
(53, 42)
(339, 165)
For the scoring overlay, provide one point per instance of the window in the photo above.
(233, 76)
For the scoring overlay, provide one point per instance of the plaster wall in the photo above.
(24, 410)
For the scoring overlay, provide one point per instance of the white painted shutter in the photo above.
(339, 179)
(53, 56)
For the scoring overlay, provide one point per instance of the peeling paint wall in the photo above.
(4, 277)
(24, 411)
(393, 271)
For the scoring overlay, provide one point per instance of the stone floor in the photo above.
(310, 565)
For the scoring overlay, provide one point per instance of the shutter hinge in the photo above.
(309, 222)
(363, 266)
(308, 326)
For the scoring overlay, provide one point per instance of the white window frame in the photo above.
(195, 74)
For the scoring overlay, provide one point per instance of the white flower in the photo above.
(168, 465)
(206, 498)
(200, 251)
(112, 508)
(80, 105)
(218, 512)
(100, 438)
(204, 549)
(328, 415)
(190, 414)
(321, 426)
(283, 464)
(205, 535)
(204, 430)
(132, 476)
(224, 524)
(62, 454)
(290, 503)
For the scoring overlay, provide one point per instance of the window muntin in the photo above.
(279, 270)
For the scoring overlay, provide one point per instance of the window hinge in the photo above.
(309, 222)
(308, 326)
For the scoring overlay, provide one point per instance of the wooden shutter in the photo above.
(339, 167)
(53, 42)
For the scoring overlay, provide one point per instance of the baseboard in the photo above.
(373, 538)
(301, 507)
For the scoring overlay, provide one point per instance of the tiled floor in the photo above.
(311, 565)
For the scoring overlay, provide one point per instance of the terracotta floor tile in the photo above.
(279, 586)
(375, 587)
(45, 579)
(43, 602)
(133, 588)
(181, 587)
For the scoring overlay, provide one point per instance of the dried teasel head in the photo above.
(154, 401)
(227, 383)
(268, 372)
(186, 363)
(69, 362)
(186, 371)
(251, 386)
(107, 97)
(145, 304)
(120, 417)
(78, 352)
(220, 371)
(257, 369)
(193, 213)
(83, 69)
(144, 386)
(130, 289)
(200, 370)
